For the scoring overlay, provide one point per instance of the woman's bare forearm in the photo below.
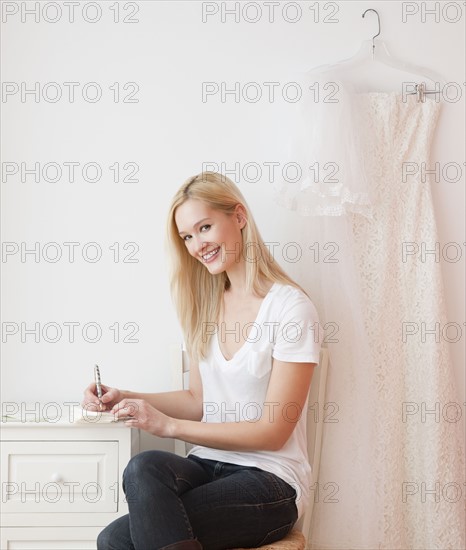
(178, 404)
(232, 436)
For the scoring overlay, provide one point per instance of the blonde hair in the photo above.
(196, 293)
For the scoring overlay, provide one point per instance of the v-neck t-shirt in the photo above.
(286, 328)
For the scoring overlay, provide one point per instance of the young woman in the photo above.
(253, 337)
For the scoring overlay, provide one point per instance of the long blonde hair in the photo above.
(196, 293)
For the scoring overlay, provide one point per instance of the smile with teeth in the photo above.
(211, 254)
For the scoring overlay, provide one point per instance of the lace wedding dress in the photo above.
(392, 471)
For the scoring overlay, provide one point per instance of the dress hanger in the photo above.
(371, 52)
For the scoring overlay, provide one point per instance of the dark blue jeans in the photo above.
(172, 499)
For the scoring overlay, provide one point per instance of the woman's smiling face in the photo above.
(205, 230)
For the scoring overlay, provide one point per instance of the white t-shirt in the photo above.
(286, 328)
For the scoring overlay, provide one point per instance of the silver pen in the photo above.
(98, 385)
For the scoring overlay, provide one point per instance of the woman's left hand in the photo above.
(143, 416)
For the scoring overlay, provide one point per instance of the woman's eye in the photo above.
(202, 227)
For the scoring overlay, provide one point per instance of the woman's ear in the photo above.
(241, 215)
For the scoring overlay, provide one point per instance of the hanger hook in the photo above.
(375, 35)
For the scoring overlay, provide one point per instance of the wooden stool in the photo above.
(293, 541)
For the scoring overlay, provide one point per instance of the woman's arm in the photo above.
(286, 396)
(181, 404)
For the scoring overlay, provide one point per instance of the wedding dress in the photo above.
(392, 470)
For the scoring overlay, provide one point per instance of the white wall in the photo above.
(169, 134)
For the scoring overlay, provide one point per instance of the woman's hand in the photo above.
(144, 417)
(110, 397)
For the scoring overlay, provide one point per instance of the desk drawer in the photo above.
(50, 538)
(59, 476)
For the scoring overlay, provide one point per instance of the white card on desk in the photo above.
(84, 416)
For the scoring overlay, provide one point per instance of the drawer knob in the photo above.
(56, 477)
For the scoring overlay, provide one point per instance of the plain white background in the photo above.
(169, 134)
